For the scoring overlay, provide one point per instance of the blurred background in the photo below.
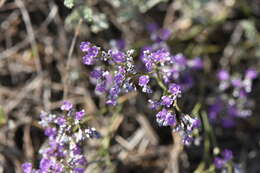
(39, 50)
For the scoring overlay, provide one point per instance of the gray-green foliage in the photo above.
(125, 10)
(69, 3)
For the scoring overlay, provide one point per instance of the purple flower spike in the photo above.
(67, 106)
(80, 114)
(223, 74)
(27, 168)
(143, 80)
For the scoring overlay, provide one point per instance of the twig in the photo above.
(7, 53)
(66, 82)
(28, 147)
(151, 134)
(173, 165)
(30, 33)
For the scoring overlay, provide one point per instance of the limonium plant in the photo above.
(66, 134)
(164, 77)
(115, 73)
(233, 97)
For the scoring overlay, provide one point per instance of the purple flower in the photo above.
(120, 44)
(180, 59)
(152, 27)
(160, 55)
(80, 114)
(92, 133)
(228, 122)
(111, 102)
(84, 46)
(50, 131)
(118, 79)
(166, 101)
(149, 65)
(214, 109)
(45, 164)
(78, 170)
(154, 104)
(164, 34)
(251, 74)
(236, 82)
(77, 150)
(57, 168)
(223, 74)
(165, 118)
(196, 124)
(67, 106)
(100, 87)
(81, 161)
(187, 139)
(118, 56)
(27, 167)
(114, 91)
(89, 58)
(64, 148)
(143, 80)
(219, 162)
(196, 63)
(60, 120)
(96, 74)
(175, 89)
(170, 120)
(227, 154)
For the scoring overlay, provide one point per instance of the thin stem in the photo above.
(66, 82)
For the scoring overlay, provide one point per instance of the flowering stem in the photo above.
(159, 81)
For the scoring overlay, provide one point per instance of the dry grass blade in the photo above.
(30, 33)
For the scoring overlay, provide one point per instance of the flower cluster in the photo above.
(226, 156)
(232, 98)
(114, 73)
(66, 135)
(112, 80)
